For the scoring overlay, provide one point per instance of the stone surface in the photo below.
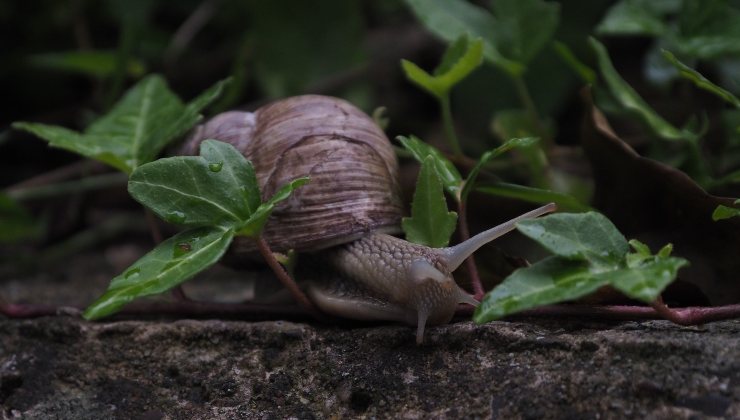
(62, 367)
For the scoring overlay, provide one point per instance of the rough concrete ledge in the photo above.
(62, 367)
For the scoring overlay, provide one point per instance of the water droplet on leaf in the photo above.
(215, 167)
(176, 217)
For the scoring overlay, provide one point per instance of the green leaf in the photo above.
(524, 27)
(98, 64)
(461, 58)
(631, 101)
(253, 226)
(590, 253)
(724, 212)
(451, 19)
(491, 154)
(447, 172)
(708, 29)
(583, 236)
(15, 222)
(139, 126)
(551, 280)
(637, 17)
(700, 81)
(430, 223)
(564, 201)
(169, 264)
(645, 278)
(217, 188)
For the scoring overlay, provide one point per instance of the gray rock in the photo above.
(62, 367)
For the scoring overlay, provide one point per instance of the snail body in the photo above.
(346, 214)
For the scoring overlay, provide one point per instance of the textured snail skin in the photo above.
(344, 213)
(387, 278)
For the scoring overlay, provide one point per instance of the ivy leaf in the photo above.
(700, 81)
(590, 253)
(491, 154)
(446, 170)
(645, 278)
(460, 59)
(585, 237)
(549, 281)
(724, 212)
(430, 223)
(139, 126)
(631, 101)
(15, 222)
(169, 264)
(217, 188)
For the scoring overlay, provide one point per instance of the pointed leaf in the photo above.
(139, 126)
(169, 264)
(421, 78)
(564, 201)
(447, 172)
(700, 81)
(631, 101)
(430, 223)
(491, 154)
(218, 188)
(253, 226)
(724, 212)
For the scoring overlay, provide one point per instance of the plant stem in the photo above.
(449, 125)
(475, 281)
(286, 280)
(65, 188)
(526, 99)
(75, 169)
(178, 308)
(685, 316)
(536, 155)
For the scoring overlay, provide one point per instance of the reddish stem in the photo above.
(286, 280)
(475, 281)
(683, 316)
(688, 315)
(179, 308)
(61, 174)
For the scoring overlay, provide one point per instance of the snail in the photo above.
(347, 213)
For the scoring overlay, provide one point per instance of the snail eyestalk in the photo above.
(455, 255)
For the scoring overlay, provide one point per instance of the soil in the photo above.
(170, 368)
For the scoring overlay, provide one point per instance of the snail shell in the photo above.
(354, 187)
(350, 204)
